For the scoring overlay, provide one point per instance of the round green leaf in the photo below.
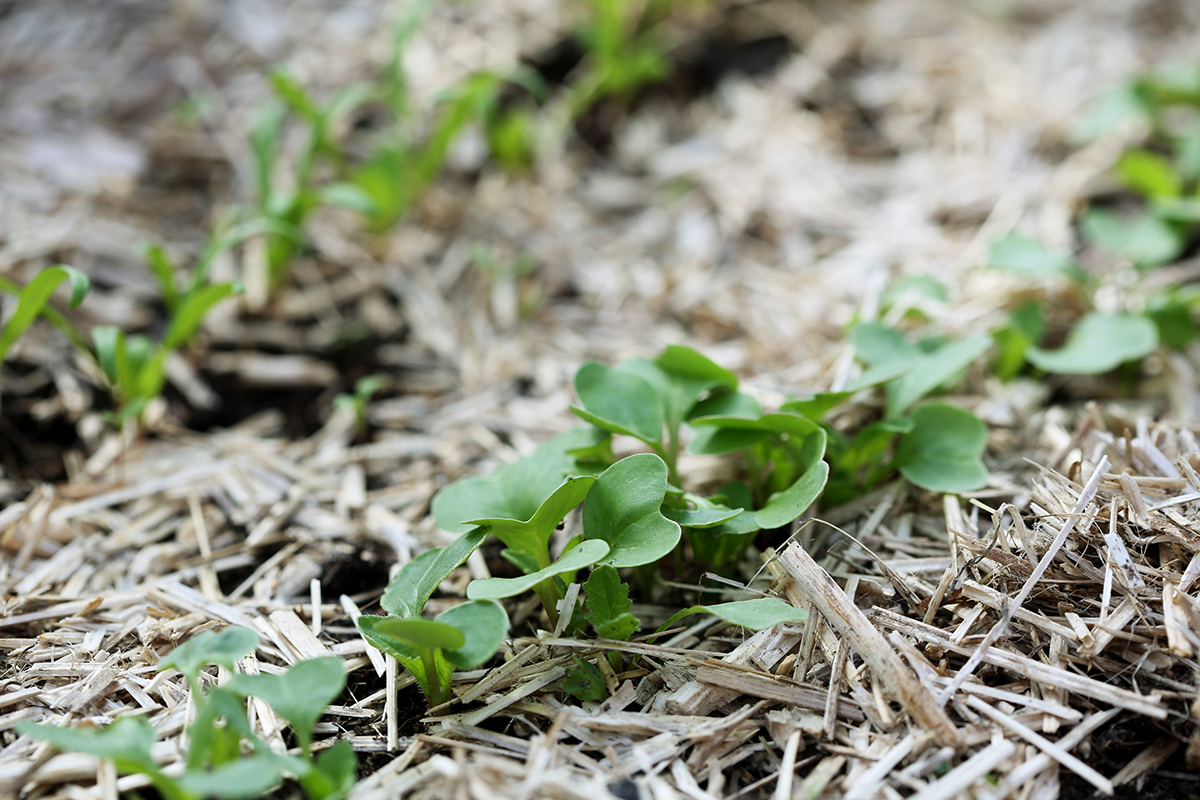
(619, 402)
(483, 625)
(300, 694)
(623, 509)
(943, 450)
(1098, 343)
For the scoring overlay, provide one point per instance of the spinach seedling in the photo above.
(463, 636)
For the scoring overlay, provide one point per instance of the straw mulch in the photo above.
(983, 649)
(1035, 640)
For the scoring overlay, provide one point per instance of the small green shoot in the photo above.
(364, 390)
(33, 300)
(609, 605)
(464, 636)
(225, 759)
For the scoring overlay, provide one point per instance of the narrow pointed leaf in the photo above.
(586, 554)
(532, 536)
(416, 581)
(33, 298)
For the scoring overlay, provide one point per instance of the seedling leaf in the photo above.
(300, 694)
(786, 506)
(127, 741)
(619, 402)
(943, 450)
(1028, 257)
(532, 536)
(416, 581)
(419, 632)
(586, 554)
(483, 626)
(515, 491)
(1149, 174)
(609, 604)
(584, 681)
(222, 648)
(931, 370)
(623, 509)
(32, 300)
(1146, 240)
(757, 614)
(1098, 343)
(246, 777)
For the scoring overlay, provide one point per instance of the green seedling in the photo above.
(135, 365)
(585, 682)
(364, 390)
(225, 759)
(386, 185)
(33, 300)
(1099, 343)
(908, 373)
(609, 606)
(461, 637)
(650, 400)
(464, 636)
(623, 526)
(624, 52)
(287, 204)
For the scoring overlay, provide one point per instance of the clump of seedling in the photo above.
(461, 637)
(225, 758)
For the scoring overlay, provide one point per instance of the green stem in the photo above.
(434, 690)
(550, 595)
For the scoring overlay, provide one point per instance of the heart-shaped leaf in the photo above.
(483, 626)
(531, 537)
(515, 491)
(416, 581)
(623, 509)
(943, 450)
(1146, 239)
(584, 555)
(733, 430)
(1098, 343)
